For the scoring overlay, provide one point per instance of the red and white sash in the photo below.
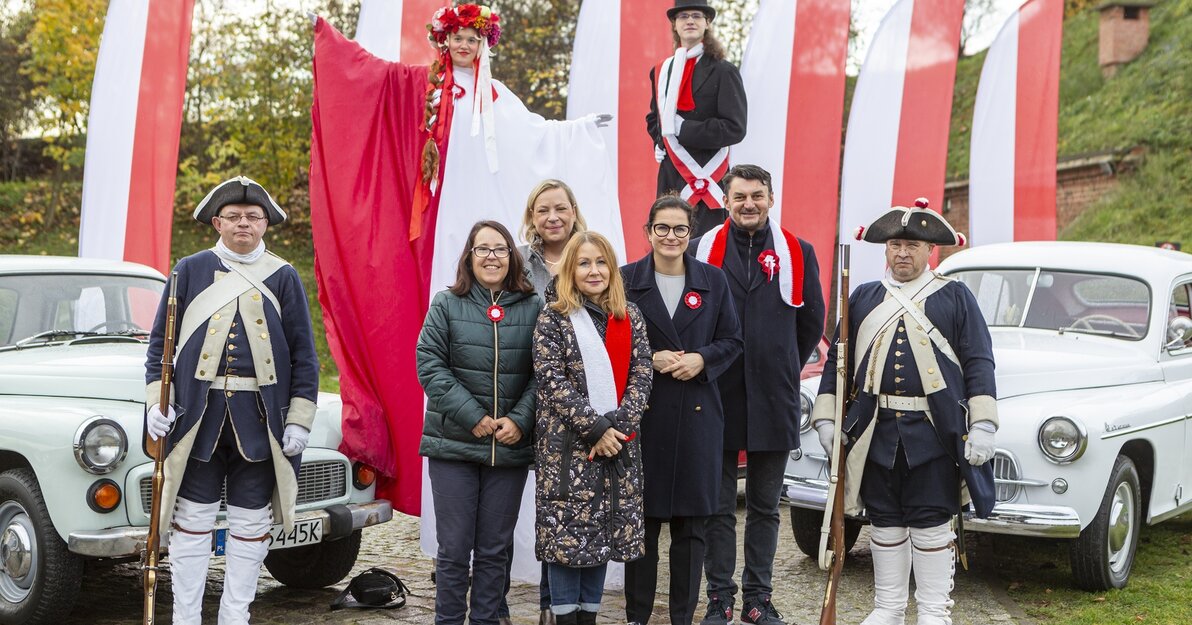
(790, 266)
(703, 181)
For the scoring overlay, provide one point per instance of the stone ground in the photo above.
(112, 595)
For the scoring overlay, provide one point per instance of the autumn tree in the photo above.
(16, 89)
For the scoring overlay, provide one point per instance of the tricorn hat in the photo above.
(912, 224)
(683, 5)
(238, 190)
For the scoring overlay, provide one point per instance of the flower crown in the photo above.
(451, 19)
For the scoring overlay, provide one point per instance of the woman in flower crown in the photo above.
(401, 156)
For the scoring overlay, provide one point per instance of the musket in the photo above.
(831, 549)
(156, 449)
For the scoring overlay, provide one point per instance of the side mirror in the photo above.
(1179, 330)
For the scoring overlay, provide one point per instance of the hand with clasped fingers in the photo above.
(680, 365)
(507, 432)
(485, 427)
(609, 444)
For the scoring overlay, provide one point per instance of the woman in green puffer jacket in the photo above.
(475, 365)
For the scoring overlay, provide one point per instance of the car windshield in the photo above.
(52, 307)
(1065, 301)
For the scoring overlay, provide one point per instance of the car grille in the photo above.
(317, 481)
(1005, 467)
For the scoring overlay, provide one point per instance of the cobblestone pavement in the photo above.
(112, 595)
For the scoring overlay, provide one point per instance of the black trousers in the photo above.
(686, 569)
(924, 496)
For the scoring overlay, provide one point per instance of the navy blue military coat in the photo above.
(760, 390)
(682, 429)
(953, 310)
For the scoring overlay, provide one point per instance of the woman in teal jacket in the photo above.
(475, 365)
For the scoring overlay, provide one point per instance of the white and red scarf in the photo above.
(673, 95)
(787, 252)
(606, 363)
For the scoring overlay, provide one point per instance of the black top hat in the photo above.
(911, 224)
(238, 190)
(683, 5)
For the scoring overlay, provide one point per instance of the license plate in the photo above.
(305, 532)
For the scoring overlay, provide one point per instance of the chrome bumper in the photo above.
(1013, 519)
(122, 542)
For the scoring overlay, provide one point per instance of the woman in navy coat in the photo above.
(693, 330)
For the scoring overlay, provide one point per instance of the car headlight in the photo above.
(100, 445)
(1062, 440)
(805, 403)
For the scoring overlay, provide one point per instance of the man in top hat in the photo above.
(245, 382)
(921, 417)
(774, 280)
(697, 110)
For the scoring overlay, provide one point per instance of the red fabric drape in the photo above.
(367, 138)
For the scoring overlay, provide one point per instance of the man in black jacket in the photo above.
(697, 110)
(774, 280)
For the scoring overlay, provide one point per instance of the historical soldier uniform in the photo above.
(773, 277)
(244, 392)
(920, 422)
(697, 110)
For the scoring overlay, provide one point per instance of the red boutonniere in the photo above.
(693, 300)
(769, 263)
(495, 313)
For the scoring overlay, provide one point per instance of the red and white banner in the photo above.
(1013, 155)
(395, 30)
(133, 131)
(896, 144)
(800, 97)
(616, 44)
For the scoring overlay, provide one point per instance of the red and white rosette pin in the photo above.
(495, 313)
(769, 263)
(693, 300)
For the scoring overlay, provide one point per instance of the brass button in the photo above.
(897, 353)
(922, 341)
(270, 360)
(229, 393)
(201, 372)
(231, 347)
(260, 321)
(256, 297)
(930, 369)
(264, 335)
(216, 316)
(233, 324)
(900, 341)
(698, 408)
(211, 331)
(231, 335)
(898, 380)
(935, 385)
(270, 377)
(897, 366)
(204, 356)
(901, 329)
(897, 414)
(231, 359)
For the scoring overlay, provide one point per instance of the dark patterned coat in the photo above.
(683, 427)
(589, 512)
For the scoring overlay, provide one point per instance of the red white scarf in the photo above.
(713, 244)
(606, 363)
(673, 94)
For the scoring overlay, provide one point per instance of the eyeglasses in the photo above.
(236, 218)
(662, 230)
(694, 15)
(484, 252)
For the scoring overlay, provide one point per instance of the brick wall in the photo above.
(1124, 31)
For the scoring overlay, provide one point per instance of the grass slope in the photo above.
(1148, 103)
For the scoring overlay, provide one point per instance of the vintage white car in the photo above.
(1093, 349)
(74, 481)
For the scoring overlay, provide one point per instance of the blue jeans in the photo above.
(574, 589)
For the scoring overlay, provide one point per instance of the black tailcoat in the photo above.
(717, 121)
(683, 426)
(760, 391)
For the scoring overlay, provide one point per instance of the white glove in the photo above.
(827, 435)
(679, 124)
(659, 154)
(293, 440)
(157, 424)
(978, 448)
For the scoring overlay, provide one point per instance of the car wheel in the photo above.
(314, 566)
(806, 525)
(39, 577)
(1103, 554)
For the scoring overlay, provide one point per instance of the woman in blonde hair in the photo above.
(552, 217)
(592, 363)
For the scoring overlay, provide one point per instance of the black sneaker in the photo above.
(761, 612)
(719, 612)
